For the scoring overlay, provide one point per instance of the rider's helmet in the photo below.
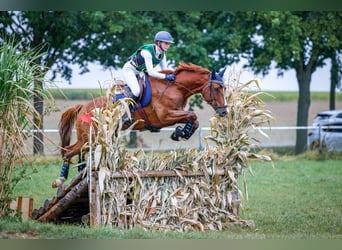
(163, 36)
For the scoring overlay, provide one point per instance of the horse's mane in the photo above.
(190, 67)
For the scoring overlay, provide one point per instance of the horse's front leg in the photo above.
(187, 117)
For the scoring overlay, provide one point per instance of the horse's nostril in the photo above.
(222, 111)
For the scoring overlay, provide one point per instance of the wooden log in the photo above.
(164, 173)
(36, 213)
(63, 203)
(94, 205)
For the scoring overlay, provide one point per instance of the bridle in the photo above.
(212, 101)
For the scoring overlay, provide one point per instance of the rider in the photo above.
(145, 59)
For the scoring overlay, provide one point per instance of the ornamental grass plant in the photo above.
(18, 74)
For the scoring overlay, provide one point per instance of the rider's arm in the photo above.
(149, 65)
(163, 63)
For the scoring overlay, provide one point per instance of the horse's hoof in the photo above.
(58, 182)
(177, 135)
(174, 137)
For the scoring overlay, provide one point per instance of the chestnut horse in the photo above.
(165, 109)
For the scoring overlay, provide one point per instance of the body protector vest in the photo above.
(138, 61)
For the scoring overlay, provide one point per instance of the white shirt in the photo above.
(152, 71)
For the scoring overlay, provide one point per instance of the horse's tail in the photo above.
(66, 125)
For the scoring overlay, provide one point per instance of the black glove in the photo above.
(170, 77)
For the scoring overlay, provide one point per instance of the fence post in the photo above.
(200, 138)
(319, 138)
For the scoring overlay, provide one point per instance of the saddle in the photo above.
(121, 90)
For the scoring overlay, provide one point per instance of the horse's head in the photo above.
(213, 93)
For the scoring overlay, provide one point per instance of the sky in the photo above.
(98, 77)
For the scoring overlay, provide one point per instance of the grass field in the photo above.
(298, 199)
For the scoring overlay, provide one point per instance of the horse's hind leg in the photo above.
(81, 162)
(63, 175)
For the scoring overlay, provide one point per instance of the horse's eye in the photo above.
(217, 89)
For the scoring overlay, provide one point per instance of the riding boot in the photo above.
(126, 119)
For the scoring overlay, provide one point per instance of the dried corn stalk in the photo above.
(202, 191)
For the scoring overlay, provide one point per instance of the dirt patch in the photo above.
(18, 235)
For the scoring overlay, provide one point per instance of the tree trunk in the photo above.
(304, 99)
(333, 81)
(38, 139)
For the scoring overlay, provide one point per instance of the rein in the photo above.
(167, 86)
(209, 84)
(162, 93)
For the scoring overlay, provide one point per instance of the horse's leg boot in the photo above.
(177, 134)
(188, 130)
(81, 165)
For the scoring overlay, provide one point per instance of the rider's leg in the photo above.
(129, 74)
(134, 90)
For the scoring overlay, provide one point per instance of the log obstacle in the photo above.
(146, 199)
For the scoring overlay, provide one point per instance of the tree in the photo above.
(301, 41)
(71, 38)
(335, 78)
(107, 38)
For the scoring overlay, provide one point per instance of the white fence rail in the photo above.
(278, 136)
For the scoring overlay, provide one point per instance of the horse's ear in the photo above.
(224, 74)
(213, 74)
(221, 73)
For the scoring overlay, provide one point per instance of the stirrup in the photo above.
(58, 182)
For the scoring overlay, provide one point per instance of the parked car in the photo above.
(327, 131)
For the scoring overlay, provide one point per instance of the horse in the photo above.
(166, 108)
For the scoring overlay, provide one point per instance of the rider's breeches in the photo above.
(129, 74)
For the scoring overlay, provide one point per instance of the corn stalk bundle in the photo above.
(178, 190)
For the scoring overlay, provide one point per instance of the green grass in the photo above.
(298, 199)
(77, 94)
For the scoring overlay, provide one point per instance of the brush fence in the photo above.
(177, 190)
(176, 198)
